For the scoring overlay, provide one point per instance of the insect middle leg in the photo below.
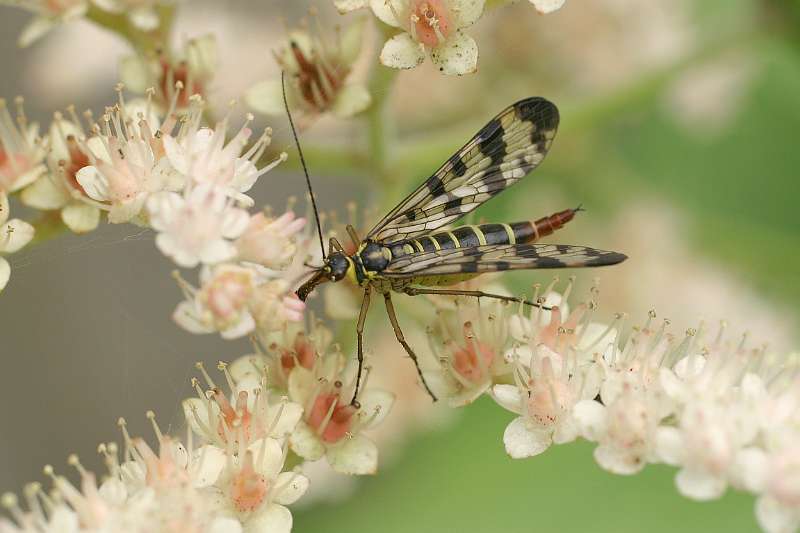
(414, 291)
(362, 317)
(401, 339)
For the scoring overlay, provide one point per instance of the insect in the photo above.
(410, 252)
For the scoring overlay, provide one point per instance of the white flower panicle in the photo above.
(723, 413)
(428, 26)
(237, 488)
(318, 69)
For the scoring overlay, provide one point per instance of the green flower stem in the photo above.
(379, 124)
(143, 41)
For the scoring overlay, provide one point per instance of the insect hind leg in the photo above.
(414, 291)
(362, 316)
(401, 339)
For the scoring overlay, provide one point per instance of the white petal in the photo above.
(358, 455)
(5, 273)
(15, 234)
(591, 417)
(547, 6)
(776, 518)
(34, 30)
(270, 453)
(292, 487)
(144, 18)
(234, 223)
(618, 461)
(305, 443)
(29, 177)
(672, 385)
(216, 251)
(135, 73)
(44, 194)
(94, 183)
(80, 217)
(242, 327)
(274, 519)
(301, 384)
(225, 525)
(266, 97)
(401, 51)
(211, 461)
(508, 397)
(345, 6)
(5, 208)
(351, 100)
(385, 13)
(750, 469)
(522, 441)
(290, 417)
(375, 405)
(168, 247)
(457, 56)
(186, 316)
(566, 431)
(700, 485)
(670, 445)
(467, 12)
(176, 154)
(194, 409)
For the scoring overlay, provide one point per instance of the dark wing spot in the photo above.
(542, 112)
(435, 185)
(503, 265)
(549, 262)
(609, 258)
(459, 168)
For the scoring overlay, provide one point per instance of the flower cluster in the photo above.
(431, 27)
(724, 414)
(318, 69)
(229, 474)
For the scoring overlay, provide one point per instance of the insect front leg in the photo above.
(414, 291)
(401, 339)
(362, 317)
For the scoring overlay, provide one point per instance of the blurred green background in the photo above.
(679, 135)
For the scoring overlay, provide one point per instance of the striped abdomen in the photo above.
(471, 236)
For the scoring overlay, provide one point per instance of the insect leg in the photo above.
(399, 334)
(413, 291)
(362, 317)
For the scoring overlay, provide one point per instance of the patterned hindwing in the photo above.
(501, 153)
(493, 258)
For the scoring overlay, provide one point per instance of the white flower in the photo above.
(332, 425)
(22, 151)
(548, 6)
(220, 304)
(14, 234)
(469, 344)
(48, 14)
(283, 350)
(318, 73)
(268, 241)
(59, 189)
(173, 79)
(202, 156)
(142, 14)
(247, 411)
(435, 26)
(127, 164)
(198, 226)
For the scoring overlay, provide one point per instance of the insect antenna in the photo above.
(303, 163)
